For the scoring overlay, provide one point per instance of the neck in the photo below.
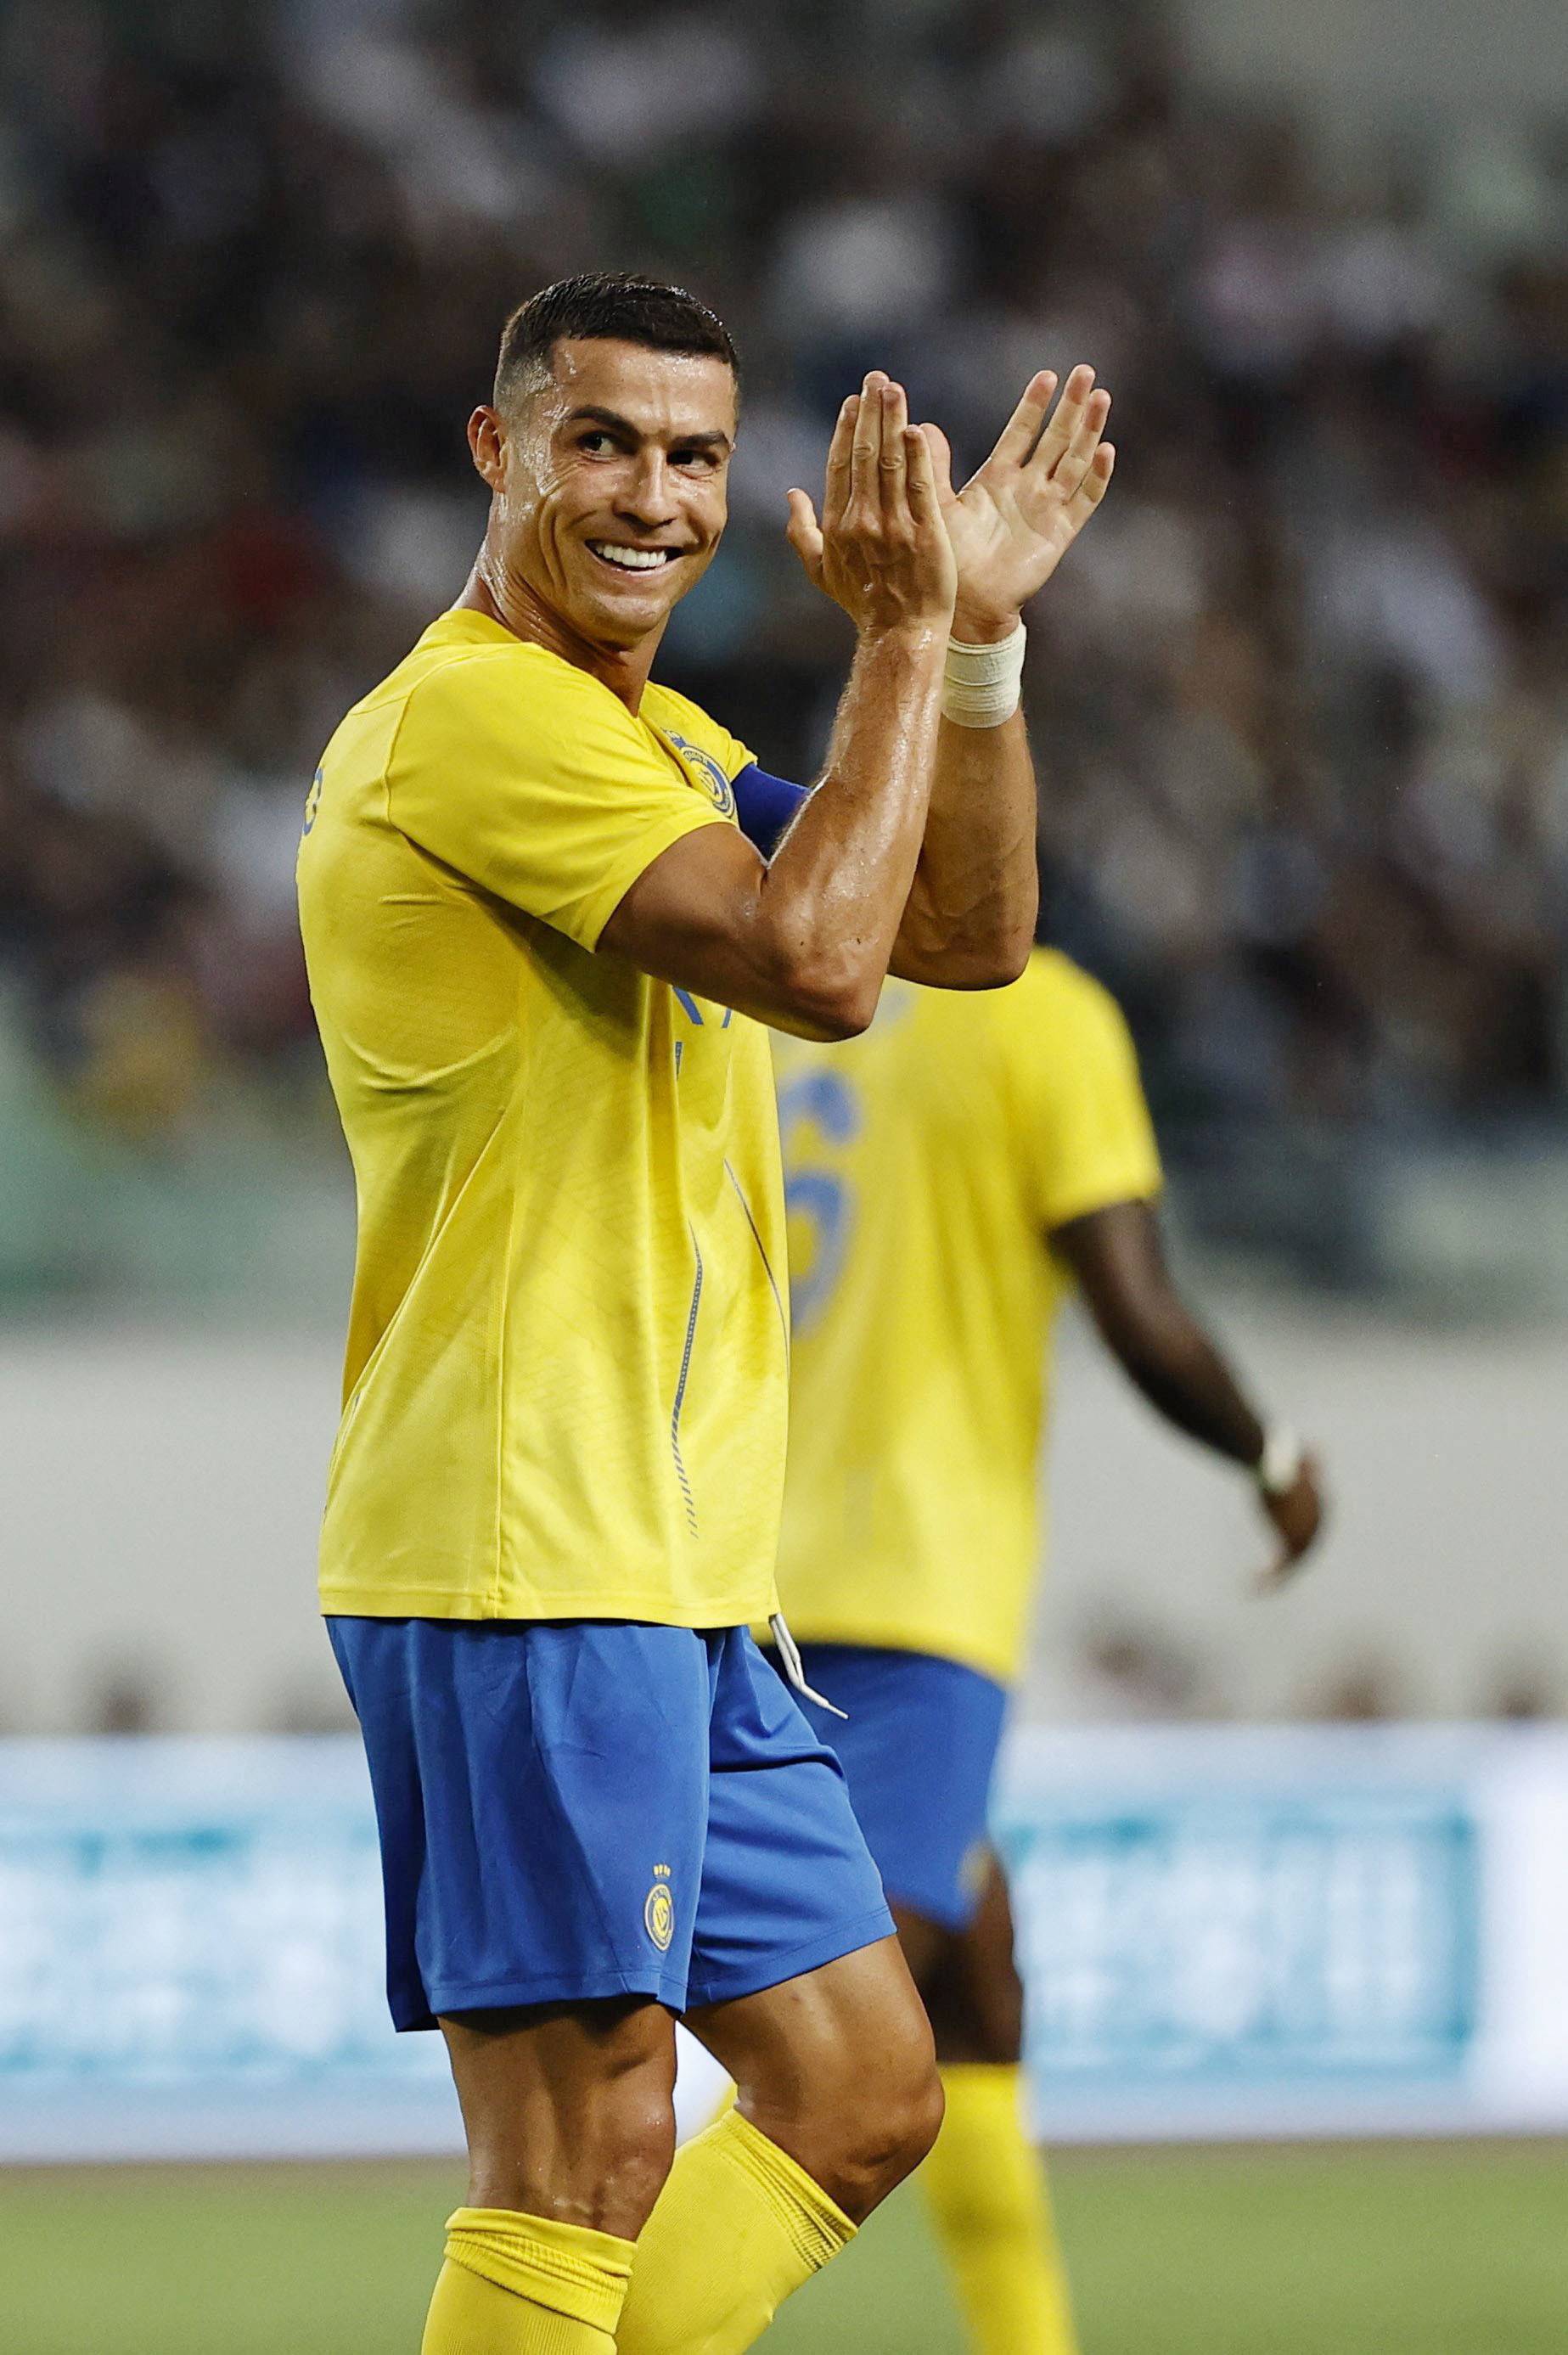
(491, 589)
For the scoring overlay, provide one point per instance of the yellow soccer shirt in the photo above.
(566, 1383)
(926, 1164)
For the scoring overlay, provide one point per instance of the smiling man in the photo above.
(542, 948)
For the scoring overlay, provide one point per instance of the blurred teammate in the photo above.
(949, 1174)
(542, 948)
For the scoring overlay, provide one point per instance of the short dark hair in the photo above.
(612, 305)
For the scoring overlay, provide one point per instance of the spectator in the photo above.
(1302, 712)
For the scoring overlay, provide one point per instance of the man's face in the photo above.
(610, 484)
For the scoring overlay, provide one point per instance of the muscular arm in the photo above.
(1119, 1260)
(803, 942)
(969, 919)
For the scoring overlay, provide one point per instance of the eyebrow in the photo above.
(590, 415)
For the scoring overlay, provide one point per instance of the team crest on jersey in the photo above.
(658, 1910)
(312, 803)
(707, 772)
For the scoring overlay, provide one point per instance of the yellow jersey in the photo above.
(566, 1385)
(926, 1163)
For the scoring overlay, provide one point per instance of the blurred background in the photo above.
(1300, 706)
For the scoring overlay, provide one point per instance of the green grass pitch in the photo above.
(1364, 2250)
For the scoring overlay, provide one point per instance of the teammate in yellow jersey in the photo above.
(949, 1176)
(543, 945)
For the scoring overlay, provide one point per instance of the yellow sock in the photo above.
(987, 2190)
(516, 2285)
(738, 2227)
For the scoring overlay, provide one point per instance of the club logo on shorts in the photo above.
(658, 1910)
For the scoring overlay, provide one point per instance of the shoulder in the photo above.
(528, 681)
(693, 729)
(677, 713)
(1057, 1029)
(1052, 990)
(497, 711)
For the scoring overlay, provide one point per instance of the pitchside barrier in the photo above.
(1225, 1932)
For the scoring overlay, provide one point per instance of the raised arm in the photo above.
(1118, 1258)
(804, 942)
(971, 913)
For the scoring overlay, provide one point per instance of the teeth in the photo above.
(631, 559)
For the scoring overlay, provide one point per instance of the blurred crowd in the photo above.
(1300, 698)
(1123, 1667)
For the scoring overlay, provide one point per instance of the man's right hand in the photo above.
(1298, 1513)
(882, 550)
(803, 941)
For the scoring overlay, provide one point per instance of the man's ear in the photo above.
(487, 440)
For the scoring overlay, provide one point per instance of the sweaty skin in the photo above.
(1009, 526)
(607, 470)
(617, 447)
(805, 941)
(624, 447)
(567, 2108)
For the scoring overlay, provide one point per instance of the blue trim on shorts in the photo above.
(576, 1809)
(919, 1751)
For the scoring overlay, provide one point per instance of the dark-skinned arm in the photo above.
(1118, 1258)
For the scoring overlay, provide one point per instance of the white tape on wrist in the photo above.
(981, 685)
(1279, 1466)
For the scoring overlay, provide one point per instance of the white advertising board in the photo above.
(1223, 1932)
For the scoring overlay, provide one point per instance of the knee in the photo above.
(910, 2123)
(878, 2120)
(886, 2134)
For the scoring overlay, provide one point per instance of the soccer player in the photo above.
(950, 1175)
(542, 948)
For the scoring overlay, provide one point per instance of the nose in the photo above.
(647, 493)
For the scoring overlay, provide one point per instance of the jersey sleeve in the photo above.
(699, 729)
(1085, 1134)
(537, 784)
(765, 804)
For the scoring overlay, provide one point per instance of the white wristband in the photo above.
(981, 685)
(1279, 1466)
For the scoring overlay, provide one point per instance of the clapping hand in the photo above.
(880, 550)
(1016, 517)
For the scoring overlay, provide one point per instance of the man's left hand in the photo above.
(1015, 519)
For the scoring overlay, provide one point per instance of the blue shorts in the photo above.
(570, 1809)
(918, 1748)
